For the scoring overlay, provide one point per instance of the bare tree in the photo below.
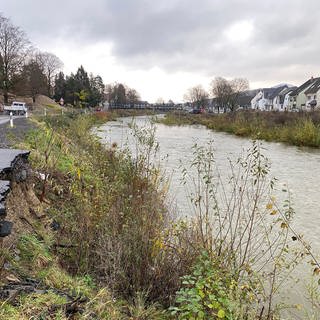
(227, 92)
(198, 97)
(35, 80)
(51, 66)
(109, 92)
(221, 90)
(238, 85)
(116, 94)
(14, 48)
(132, 96)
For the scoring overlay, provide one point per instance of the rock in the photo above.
(21, 175)
(54, 225)
(13, 167)
(5, 228)
(21, 169)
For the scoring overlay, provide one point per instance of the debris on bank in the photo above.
(13, 168)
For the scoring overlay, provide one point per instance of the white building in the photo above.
(268, 99)
(313, 95)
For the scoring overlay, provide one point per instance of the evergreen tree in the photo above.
(80, 85)
(60, 87)
(79, 89)
(71, 90)
(82, 81)
(96, 90)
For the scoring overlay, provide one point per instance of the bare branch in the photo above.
(14, 49)
(227, 93)
(197, 96)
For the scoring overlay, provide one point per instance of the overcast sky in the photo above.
(162, 48)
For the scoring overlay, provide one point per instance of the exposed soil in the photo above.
(41, 100)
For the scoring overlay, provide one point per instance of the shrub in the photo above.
(246, 236)
(116, 228)
(205, 292)
(111, 208)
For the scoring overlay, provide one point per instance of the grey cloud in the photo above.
(184, 35)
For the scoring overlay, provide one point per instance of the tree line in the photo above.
(25, 70)
(225, 93)
(118, 94)
(81, 89)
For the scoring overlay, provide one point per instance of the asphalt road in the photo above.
(10, 136)
(6, 118)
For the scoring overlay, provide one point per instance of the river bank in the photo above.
(287, 165)
(86, 234)
(300, 129)
(101, 238)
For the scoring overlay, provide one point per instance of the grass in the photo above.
(38, 261)
(300, 129)
(118, 247)
(105, 247)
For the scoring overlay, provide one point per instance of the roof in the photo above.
(244, 100)
(270, 93)
(284, 92)
(287, 90)
(314, 87)
(252, 93)
(303, 87)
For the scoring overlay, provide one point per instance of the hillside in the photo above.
(41, 100)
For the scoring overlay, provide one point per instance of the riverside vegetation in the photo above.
(300, 129)
(119, 253)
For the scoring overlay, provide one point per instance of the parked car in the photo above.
(16, 108)
(197, 111)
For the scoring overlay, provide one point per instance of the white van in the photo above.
(16, 108)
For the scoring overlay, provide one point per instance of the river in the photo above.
(297, 168)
